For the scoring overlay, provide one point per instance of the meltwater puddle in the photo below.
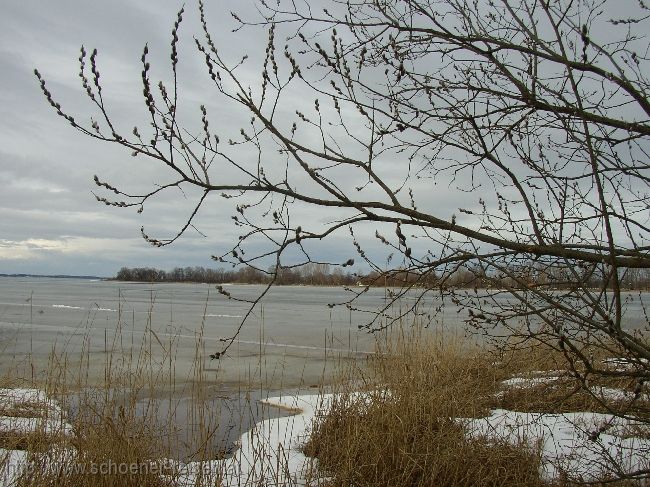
(191, 430)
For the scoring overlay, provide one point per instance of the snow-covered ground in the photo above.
(24, 412)
(577, 446)
(580, 445)
(573, 445)
(270, 454)
(583, 446)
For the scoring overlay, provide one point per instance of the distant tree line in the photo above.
(548, 277)
(325, 275)
(309, 274)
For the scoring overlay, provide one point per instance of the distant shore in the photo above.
(54, 276)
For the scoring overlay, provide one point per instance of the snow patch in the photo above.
(625, 364)
(614, 394)
(66, 306)
(525, 382)
(577, 446)
(23, 412)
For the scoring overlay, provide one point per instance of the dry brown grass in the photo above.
(567, 395)
(36, 441)
(111, 445)
(551, 388)
(105, 438)
(403, 433)
(391, 444)
(118, 437)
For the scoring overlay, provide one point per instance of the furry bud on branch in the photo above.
(152, 241)
(381, 238)
(93, 67)
(400, 235)
(221, 290)
(174, 54)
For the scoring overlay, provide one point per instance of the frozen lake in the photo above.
(288, 336)
(288, 341)
(292, 341)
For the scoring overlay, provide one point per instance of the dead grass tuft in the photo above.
(404, 434)
(546, 386)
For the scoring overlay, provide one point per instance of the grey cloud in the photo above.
(46, 167)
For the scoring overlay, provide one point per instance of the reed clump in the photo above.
(539, 379)
(405, 428)
(110, 431)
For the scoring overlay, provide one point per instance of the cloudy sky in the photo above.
(49, 219)
(50, 222)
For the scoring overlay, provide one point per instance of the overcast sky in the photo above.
(50, 222)
(49, 219)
